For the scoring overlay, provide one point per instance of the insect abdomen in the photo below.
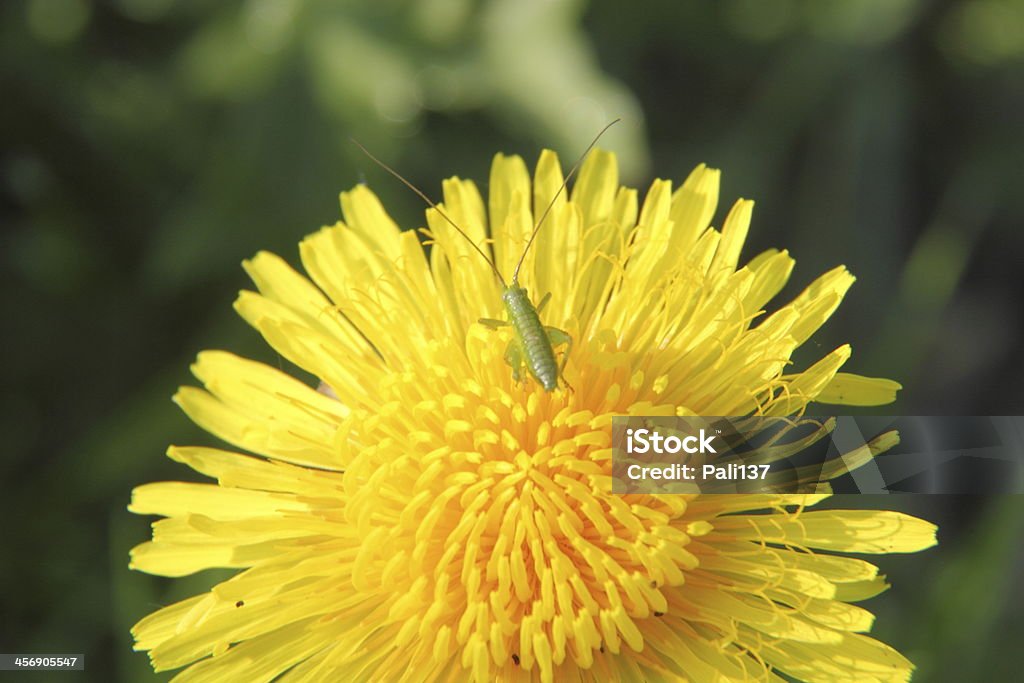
(533, 339)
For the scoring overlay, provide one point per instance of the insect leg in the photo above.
(514, 357)
(492, 323)
(556, 337)
(544, 302)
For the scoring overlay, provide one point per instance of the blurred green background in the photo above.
(150, 145)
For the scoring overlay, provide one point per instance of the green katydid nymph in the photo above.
(533, 344)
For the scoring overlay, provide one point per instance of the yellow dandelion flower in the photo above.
(425, 517)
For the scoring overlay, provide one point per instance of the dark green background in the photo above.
(149, 146)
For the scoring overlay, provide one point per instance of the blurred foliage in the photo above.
(150, 145)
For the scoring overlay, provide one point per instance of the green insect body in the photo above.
(533, 343)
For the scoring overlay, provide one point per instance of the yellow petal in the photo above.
(856, 390)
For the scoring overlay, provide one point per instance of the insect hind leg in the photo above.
(514, 357)
(558, 337)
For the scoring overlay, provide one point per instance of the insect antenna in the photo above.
(572, 171)
(435, 207)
